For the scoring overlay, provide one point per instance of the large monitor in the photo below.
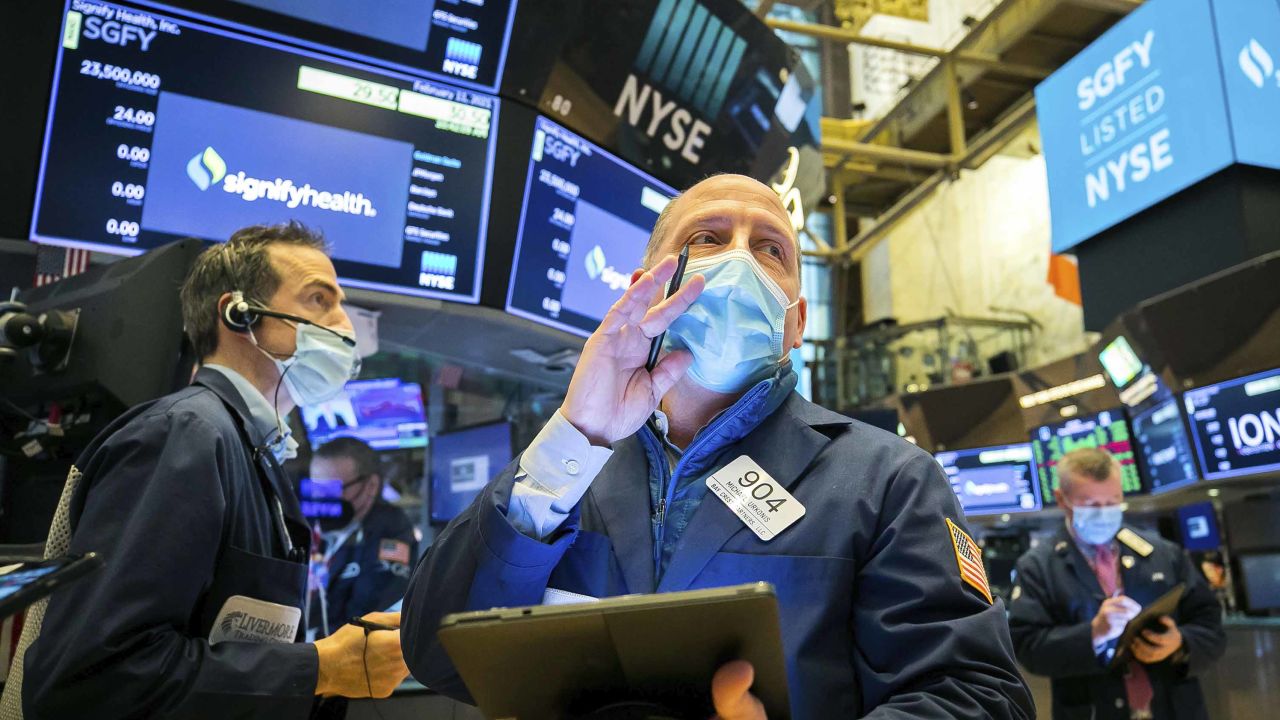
(149, 141)
(1236, 425)
(387, 414)
(1107, 429)
(583, 228)
(1261, 578)
(462, 462)
(1164, 450)
(465, 42)
(992, 480)
(1199, 525)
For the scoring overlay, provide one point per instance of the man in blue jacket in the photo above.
(882, 613)
(199, 610)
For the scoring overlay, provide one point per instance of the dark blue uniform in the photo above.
(1057, 595)
(876, 621)
(183, 511)
(370, 571)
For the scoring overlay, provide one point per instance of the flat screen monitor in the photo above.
(464, 42)
(1107, 429)
(160, 128)
(583, 229)
(1120, 361)
(387, 414)
(462, 462)
(1199, 525)
(1236, 425)
(992, 480)
(1164, 450)
(1261, 580)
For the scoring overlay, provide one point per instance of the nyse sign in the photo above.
(1134, 118)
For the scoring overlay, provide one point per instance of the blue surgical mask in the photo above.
(319, 367)
(734, 329)
(1097, 525)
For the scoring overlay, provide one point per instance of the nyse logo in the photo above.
(689, 56)
(1253, 434)
(462, 58)
(438, 270)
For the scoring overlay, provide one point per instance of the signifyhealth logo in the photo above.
(1256, 63)
(208, 168)
(598, 268)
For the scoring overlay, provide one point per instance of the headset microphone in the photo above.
(240, 315)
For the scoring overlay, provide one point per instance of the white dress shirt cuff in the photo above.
(555, 472)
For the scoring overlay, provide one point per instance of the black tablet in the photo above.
(566, 661)
(1147, 619)
(24, 582)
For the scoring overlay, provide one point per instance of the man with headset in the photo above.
(200, 606)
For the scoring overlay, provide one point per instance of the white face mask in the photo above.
(320, 366)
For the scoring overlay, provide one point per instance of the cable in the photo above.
(373, 702)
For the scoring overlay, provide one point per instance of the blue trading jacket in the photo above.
(876, 621)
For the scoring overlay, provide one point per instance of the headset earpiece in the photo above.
(237, 315)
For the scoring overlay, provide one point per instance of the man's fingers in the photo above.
(383, 618)
(658, 319)
(635, 302)
(730, 692)
(669, 370)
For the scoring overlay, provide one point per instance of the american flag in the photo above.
(969, 558)
(54, 263)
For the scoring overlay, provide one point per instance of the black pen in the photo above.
(656, 344)
(369, 625)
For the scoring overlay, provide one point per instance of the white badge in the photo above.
(556, 596)
(250, 620)
(755, 497)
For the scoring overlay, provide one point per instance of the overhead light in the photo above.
(832, 199)
(970, 101)
(1068, 411)
(1062, 392)
(1214, 492)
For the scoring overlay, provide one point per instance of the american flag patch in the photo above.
(396, 551)
(969, 558)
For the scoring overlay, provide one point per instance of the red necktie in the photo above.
(1137, 685)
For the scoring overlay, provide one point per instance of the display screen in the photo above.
(386, 414)
(1120, 361)
(1164, 447)
(149, 141)
(1199, 523)
(1261, 580)
(463, 41)
(992, 480)
(320, 499)
(583, 229)
(1107, 430)
(679, 88)
(462, 463)
(1236, 425)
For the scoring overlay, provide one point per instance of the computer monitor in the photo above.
(1199, 525)
(1261, 579)
(1236, 425)
(1120, 361)
(584, 225)
(992, 480)
(387, 414)
(463, 42)
(462, 463)
(1164, 449)
(1107, 429)
(150, 140)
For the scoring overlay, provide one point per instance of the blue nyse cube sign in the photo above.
(1142, 112)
